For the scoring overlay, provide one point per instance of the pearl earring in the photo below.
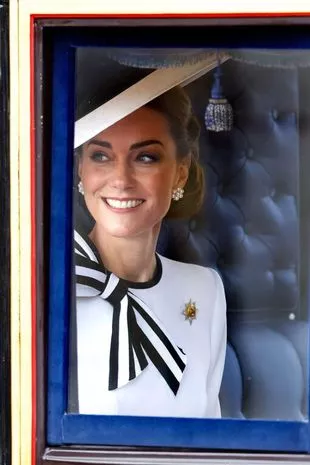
(177, 193)
(81, 188)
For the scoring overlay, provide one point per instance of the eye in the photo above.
(147, 158)
(99, 157)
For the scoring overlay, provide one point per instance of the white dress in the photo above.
(203, 341)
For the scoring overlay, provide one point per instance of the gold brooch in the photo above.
(190, 311)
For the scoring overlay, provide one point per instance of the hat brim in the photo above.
(139, 94)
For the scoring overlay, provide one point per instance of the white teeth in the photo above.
(123, 203)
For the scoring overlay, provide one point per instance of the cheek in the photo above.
(91, 178)
(161, 188)
(162, 183)
(166, 177)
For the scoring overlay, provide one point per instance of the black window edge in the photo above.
(5, 369)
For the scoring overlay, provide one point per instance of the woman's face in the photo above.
(129, 172)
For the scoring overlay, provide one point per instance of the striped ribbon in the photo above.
(137, 337)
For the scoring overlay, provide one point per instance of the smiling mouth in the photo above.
(123, 204)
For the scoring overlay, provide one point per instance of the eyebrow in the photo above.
(137, 145)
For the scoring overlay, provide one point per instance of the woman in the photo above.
(150, 332)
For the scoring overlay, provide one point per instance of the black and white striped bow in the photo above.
(136, 334)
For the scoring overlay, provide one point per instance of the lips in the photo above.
(123, 204)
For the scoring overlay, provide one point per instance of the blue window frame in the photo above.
(63, 427)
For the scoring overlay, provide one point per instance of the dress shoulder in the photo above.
(206, 275)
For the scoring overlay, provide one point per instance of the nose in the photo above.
(122, 176)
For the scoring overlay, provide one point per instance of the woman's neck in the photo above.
(132, 259)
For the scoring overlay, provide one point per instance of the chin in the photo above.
(122, 232)
(128, 231)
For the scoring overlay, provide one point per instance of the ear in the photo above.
(182, 172)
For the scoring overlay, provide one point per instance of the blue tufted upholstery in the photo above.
(254, 219)
(249, 229)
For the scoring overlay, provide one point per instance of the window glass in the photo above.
(133, 126)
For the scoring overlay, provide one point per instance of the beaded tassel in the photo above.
(219, 112)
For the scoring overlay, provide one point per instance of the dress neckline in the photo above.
(151, 282)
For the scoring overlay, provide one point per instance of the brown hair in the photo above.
(176, 106)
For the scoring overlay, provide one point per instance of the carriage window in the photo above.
(179, 212)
